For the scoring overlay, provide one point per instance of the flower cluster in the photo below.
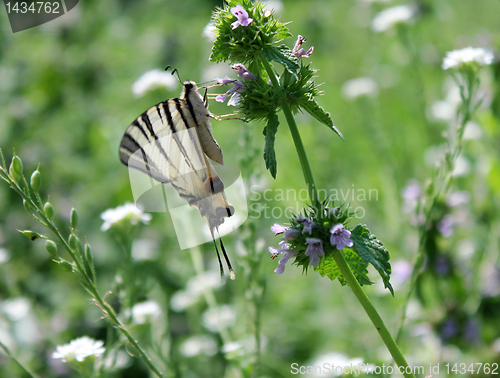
(309, 238)
(250, 37)
(467, 56)
(152, 80)
(79, 349)
(243, 30)
(238, 87)
(392, 17)
(300, 52)
(121, 214)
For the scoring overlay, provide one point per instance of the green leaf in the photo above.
(283, 55)
(372, 251)
(270, 133)
(357, 265)
(320, 114)
(328, 267)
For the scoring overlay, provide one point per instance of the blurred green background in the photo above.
(66, 100)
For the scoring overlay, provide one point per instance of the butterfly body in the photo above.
(172, 142)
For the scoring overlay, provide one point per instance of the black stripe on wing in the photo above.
(194, 136)
(143, 133)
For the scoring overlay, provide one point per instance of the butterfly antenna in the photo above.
(218, 255)
(231, 271)
(174, 73)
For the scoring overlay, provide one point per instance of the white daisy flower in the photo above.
(128, 211)
(361, 86)
(181, 300)
(203, 282)
(4, 255)
(341, 363)
(16, 309)
(197, 345)
(390, 17)
(455, 58)
(144, 310)
(152, 80)
(79, 349)
(221, 317)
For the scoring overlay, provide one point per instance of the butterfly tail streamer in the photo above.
(218, 255)
(231, 271)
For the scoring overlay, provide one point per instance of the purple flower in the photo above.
(234, 91)
(242, 16)
(308, 225)
(458, 198)
(471, 331)
(275, 252)
(300, 219)
(299, 52)
(288, 253)
(340, 237)
(281, 267)
(446, 225)
(278, 228)
(449, 329)
(412, 191)
(314, 251)
(243, 72)
(442, 265)
(291, 234)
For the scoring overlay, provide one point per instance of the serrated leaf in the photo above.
(372, 251)
(357, 265)
(270, 133)
(283, 55)
(320, 114)
(283, 33)
(328, 267)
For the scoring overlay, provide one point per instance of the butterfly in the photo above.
(172, 142)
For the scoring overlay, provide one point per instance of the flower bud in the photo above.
(30, 234)
(16, 165)
(73, 218)
(26, 206)
(73, 242)
(13, 172)
(51, 247)
(88, 255)
(66, 266)
(48, 210)
(35, 181)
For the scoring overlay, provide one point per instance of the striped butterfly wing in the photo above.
(171, 142)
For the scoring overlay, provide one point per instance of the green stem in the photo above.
(372, 314)
(7, 352)
(299, 146)
(444, 179)
(208, 294)
(87, 282)
(339, 258)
